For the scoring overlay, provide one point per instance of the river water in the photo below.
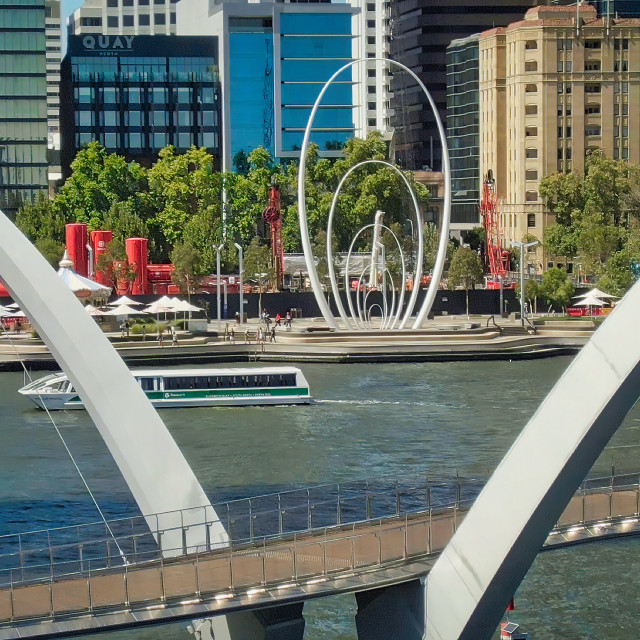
(369, 421)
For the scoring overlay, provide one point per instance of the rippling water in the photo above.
(369, 420)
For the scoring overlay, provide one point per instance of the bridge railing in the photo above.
(304, 558)
(53, 554)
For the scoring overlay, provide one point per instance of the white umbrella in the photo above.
(124, 310)
(157, 307)
(596, 293)
(590, 301)
(13, 305)
(125, 300)
(183, 305)
(92, 311)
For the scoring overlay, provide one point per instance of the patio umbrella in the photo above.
(596, 293)
(590, 301)
(125, 310)
(81, 286)
(125, 300)
(92, 311)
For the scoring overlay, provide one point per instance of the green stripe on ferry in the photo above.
(263, 392)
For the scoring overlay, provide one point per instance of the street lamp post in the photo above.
(240, 269)
(218, 249)
(523, 246)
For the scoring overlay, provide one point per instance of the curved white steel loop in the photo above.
(347, 287)
(371, 308)
(302, 211)
(419, 221)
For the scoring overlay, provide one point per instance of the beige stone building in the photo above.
(553, 87)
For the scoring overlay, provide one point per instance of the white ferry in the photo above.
(188, 388)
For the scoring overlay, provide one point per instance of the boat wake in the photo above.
(369, 402)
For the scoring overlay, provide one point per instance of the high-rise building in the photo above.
(137, 94)
(554, 87)
(53, 34)
(124, 17)
(463, 131)
(619, 8)
(275, 58)
(23, 102)
(421, 31)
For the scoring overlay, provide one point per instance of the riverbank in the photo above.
(452, 338)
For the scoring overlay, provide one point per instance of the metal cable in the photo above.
(64, 444)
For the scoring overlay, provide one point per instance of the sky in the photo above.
(67, 7)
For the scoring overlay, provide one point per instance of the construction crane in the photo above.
(273, 216)
(496, 255)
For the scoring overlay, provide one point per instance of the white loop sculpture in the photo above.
(419, 257)
(302, 211)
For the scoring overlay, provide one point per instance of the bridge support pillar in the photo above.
(392, 612)
(274, 623)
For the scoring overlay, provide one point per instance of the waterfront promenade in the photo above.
(309, 340)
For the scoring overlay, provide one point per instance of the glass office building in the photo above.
(313, 46)
(252, 84)
(620, 8)
(138, 94)
(463, 128)
(23, 102)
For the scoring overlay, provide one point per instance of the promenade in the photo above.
(446, 338)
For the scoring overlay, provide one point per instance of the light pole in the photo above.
(523, 246)
(240, 269)
(218, 249)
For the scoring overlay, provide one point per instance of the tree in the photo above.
(51, 250)
(258, 266)
(466, 270)
(475, 239)
(40, 220)
(556, 288)
(112, 262)
(186, 275)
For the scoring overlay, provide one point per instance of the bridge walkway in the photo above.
(289, 567)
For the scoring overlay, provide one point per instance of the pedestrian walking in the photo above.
(288, 319)
(174, 338)
(159, 337)
(273, 334)
(144, 332)
(232, 336)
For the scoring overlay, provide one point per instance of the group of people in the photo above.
(287, 319)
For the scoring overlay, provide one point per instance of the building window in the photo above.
(127, 3)
(371, 73)
(592, 130)
(621, 43)
(531, 109)
(616, 132)
(112, 21)
(172, 18)
(567, 88)
(371, 89)
(592, 108)
(531, 220)
(371, 6)
(616, 109)
(560, 132)
(625, 87)
(568, 153)
(592, 88)
(531, 196)
(592, 65)
(568, 66)
(560, 43)
(531, 65)
(616, 153)
(560, 87)
(531, 174)
(625, 109)
(568, 132)
(112, 3)
(371, 24)
(592, 44)
(560, 153)
(625, 132)
(159, 18)
(371, 39)
(531, 132)
(371, 106)
(568, 109)
(531, 44)
(531, 88)
(372, 122)
(625, 153)
(531, 153)
(127, 21)
(143, 20)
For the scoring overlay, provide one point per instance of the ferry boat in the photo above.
(167, 388)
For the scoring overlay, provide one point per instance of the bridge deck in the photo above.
(290, 568)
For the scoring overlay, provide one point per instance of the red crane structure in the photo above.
(496, 255)
(273, 215)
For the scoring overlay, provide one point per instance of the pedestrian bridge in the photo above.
(285, 548)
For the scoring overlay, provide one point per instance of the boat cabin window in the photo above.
(147, 384)
(60, 386)
(226, 382)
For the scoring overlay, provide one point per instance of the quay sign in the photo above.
(107, 42)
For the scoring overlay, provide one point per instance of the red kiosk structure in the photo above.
(497, 256)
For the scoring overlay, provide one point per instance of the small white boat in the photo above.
(188, 388)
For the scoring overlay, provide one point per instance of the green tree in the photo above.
(51, 250)
(474, 238)
(41, 220)
(98, 181)
(186, 274)
(466, 270)
(258, 266)
(556, 288)
(182, 185)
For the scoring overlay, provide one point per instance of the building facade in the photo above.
(463, 131)
(554, 87)
(23, 102)
(53, 35)
(421, 31)
(274, 59)
(124, 17)
(138, 94)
